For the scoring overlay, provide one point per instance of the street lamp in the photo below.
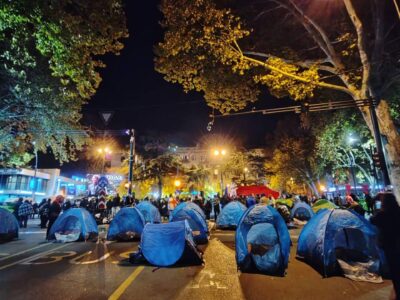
(106, 151)
(177, 183)
(245, 170)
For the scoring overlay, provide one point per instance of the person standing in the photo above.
(44, 213)
(54, 212)
(116, 204)
(370, 203)
(388, 222)
(216, 207)
(172, 203)
(16, 208)
(24, 211)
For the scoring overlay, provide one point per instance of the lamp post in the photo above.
(131, 132)
(220, 153)
(35, 173)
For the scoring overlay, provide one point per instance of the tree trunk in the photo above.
(313, 188)
(160, 186)
(391, 141)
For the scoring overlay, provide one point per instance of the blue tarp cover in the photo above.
(149, 212)
(164, 244)
(231, 214)
(72, 221)
(330, 229)
(189, 211)
(301, 211)
(128, 222)
(8, 225)
(262, 240)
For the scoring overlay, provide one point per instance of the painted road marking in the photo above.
(50, 259)
(121, 289)
(36, 256)
(22, 252)
(75, 261)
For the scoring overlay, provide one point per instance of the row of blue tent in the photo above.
(262, 238)
(233, 212)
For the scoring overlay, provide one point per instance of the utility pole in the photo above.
(131, 159)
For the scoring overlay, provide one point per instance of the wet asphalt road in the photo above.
(33, 269)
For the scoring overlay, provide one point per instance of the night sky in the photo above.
(143, 100)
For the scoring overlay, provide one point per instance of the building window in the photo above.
(11, 182)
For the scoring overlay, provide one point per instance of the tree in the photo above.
(49, 60)
(289, 47)
(343, 142)
(197, 176)
(158, 168)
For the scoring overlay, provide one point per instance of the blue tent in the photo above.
(149, 212)
(74, 224)
(189, 205)
(262, 241)
(230, 215)
(8, 225)
(127, 224)
(333, 232)
(189, 211)
(302, 211)
(165, 244)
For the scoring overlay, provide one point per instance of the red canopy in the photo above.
(256, 190)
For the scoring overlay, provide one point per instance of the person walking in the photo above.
(24, 211)
(54, 212)
(388, 222)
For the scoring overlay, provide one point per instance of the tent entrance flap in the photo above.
(263, 245)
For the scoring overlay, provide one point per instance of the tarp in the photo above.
(337, 231)
(189, 211)
(149, 212)
(8, 225)
(323, 203)
(165, 244)
(302, 211)
(128, 223)
(262, 241)
(230, 215)
(74, 222)
(256, 190)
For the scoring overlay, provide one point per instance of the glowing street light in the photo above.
(177, 183)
